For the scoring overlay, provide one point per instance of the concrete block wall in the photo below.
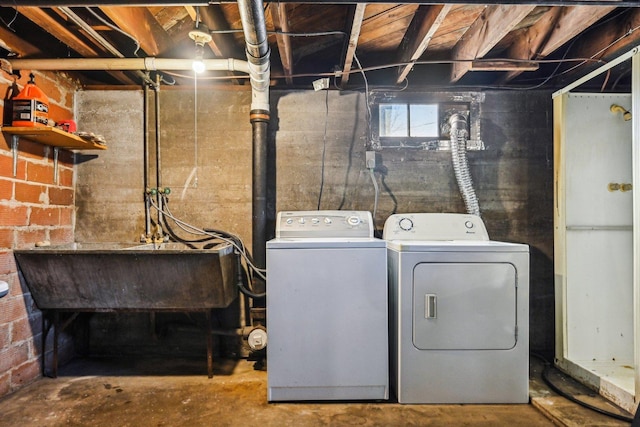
(33, 208)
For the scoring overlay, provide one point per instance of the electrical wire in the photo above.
(324, 146)
(363, 70)
(115, 28)
(230, 238)
(366, 89)
(377, 191)
(572, 398)
(286, 33)
(15, 16)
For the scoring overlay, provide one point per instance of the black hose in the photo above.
(556, 389)
(243, 277)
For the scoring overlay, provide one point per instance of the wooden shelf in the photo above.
(53, 136)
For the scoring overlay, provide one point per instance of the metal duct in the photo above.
(460, 165)
(257, 50)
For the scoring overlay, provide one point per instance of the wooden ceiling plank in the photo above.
(354, 34)
(280, 23)
(424, 25)
(494, 23)
(142, 25)
(41, 18)
(59, 31)
(553, 30)
(13, 43)
(606, 43)
(213, 17)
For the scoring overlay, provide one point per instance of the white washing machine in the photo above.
(327, 308)
(459, 311)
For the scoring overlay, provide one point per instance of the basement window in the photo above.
(408, 120)
(420, 120)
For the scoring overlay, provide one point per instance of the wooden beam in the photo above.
(606, 43)
(551, 31)
(494, 23)
(11, 42)
(142, 25)
(424, 25)
(41, 18)
(280, 23)
(62, 33)
(354, 34)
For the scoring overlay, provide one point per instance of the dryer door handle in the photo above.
(430, 306)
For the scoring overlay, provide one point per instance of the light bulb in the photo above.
(198, 66)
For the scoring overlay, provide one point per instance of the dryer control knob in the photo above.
(469, 224)
(405, 224)
(353, 220)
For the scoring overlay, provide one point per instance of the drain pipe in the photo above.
(257, 50)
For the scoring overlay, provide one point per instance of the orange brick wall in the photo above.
(33, 208)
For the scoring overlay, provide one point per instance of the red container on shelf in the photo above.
(30, 106)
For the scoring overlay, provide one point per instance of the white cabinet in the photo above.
(594, 249)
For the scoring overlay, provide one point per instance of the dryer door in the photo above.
(464, 306)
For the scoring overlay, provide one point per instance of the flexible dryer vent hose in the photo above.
(460, 165)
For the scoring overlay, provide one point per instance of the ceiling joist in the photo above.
(552, 31)
(494, 23)
(354, 34)
(281, 24)
(422, 29)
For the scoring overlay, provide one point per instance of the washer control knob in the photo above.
(315, 220)
(405, 224)
(353, 220)
(469, 224)
(289, 221)
(327, 220)
(301, 221)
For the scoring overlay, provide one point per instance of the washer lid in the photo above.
(325, 243)
(455, 246)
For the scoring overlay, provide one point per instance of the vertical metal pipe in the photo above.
(145, 154)
(259, 125)
(158, 157)
(257, 51)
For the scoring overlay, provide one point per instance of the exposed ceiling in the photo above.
(522, 44)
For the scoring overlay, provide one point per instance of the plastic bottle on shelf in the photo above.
(30, 106)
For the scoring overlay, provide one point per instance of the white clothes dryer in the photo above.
(459, 311)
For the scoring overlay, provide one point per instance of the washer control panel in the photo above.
(324, 224)
(434, 226)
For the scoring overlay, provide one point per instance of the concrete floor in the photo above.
(169, 392)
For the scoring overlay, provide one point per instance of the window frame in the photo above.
(467, 103)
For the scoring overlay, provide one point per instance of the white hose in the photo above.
(460, 165)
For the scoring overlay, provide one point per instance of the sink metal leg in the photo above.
(209, 345)
(56, 334)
